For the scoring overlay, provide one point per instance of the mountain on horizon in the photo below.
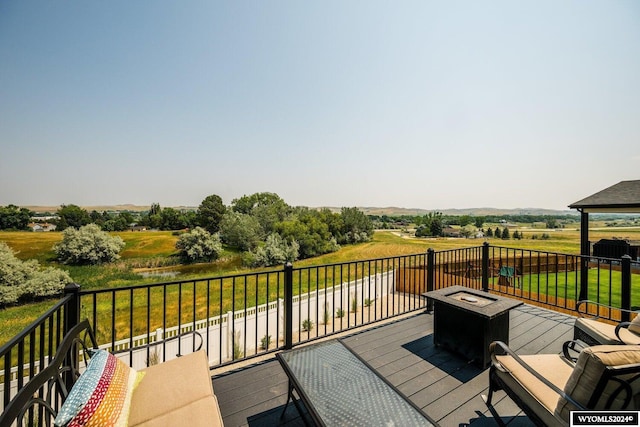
(396, 211)
(369, 210)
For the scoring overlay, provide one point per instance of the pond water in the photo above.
(159, 273)
(203, 268)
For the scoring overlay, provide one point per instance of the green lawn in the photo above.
(603, 287)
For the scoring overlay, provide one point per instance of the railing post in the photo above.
(288, 306)
(485, 266)
(71, 319)
(585, 252)
(72, 309)
(626, 287)
(431, 273)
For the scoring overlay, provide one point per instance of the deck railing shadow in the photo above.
(243, 316)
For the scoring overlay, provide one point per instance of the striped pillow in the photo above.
(102, 394)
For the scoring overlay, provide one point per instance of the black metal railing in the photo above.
(241, 316)
(28, 353)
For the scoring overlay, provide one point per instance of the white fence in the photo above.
(249, 327)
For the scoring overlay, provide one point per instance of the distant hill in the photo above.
(109, 208)
(395, 211)
(369, 210)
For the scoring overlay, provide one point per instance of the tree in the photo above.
(356, 226)
(309, 231)
(240, 230)
(72, 216)
(489, 232)
(267, 208)
(436, 226)
(479, 221)
(468, 230)
(497, 233)
(551, 223)
(505, 233)
(152, 218)
(199, 245)
(465, 220)
(25, 280)
(433, 223)
(14, 218)
(172, 219)
(155, 209)
(88, 245)
(422, 231)
(210, 213)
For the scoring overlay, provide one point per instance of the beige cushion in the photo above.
(605, 333)
(634, 327)
(200, 413)
(177, 392)
(589, 368)
(536, 395)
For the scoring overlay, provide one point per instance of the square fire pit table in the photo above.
(466, 321)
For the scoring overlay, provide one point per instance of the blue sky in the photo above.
(416, 104)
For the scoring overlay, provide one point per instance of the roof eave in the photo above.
(606, 208)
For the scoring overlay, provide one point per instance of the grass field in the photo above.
(157, 250)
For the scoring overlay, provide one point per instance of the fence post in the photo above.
(288, 306)
(485, 266)
(431, 255)
(626, 287)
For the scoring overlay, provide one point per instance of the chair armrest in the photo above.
(493, 347)
(569, 348)
(621, 325)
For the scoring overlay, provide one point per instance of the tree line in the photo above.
(262, 226)
(434, 223)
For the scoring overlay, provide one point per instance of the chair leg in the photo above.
(487, 398)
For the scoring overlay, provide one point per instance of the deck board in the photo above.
(443, 384)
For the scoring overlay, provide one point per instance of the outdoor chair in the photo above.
(589, 329)
(548, 386)
(509, 276)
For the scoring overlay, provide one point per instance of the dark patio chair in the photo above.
(548, 386)
(509, 276)
(592, 331)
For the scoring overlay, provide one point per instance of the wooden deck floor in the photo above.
(442, 384)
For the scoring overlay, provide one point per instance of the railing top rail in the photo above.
(257, 273)
(337, 264)
(175, 282)
(33, 325)
(538, 251)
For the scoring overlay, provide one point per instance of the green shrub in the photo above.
(325, 315)
(275, 251)
(340, 313)
(88, 245)
(307, 325)
(25, 280)
(237, 349)
(265, 341)
(199, 245)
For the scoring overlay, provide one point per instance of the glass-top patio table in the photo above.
(340, 389)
